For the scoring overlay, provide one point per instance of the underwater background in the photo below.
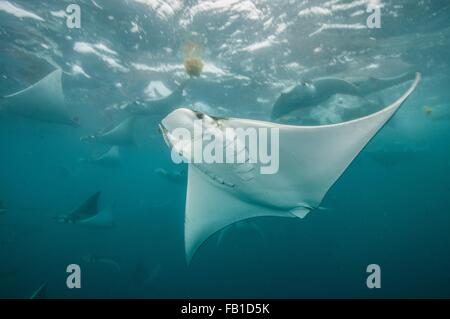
(391, 207)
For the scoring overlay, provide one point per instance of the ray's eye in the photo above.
(199, 115)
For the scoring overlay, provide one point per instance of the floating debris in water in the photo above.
(193, 62)
(428, 110)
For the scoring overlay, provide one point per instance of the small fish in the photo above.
(93, 260)
(175, 176)
(3, 210)
(143, 276)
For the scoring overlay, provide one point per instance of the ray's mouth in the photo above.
(165, 133)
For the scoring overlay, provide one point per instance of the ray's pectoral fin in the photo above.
(102, 219)
(43, 101)
(210, 208)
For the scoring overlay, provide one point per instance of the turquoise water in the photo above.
(391, 207)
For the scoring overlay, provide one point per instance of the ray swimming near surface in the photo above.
(43, 101)
(311, 160)
(110, 158)
(317, 91)
(120, 134)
